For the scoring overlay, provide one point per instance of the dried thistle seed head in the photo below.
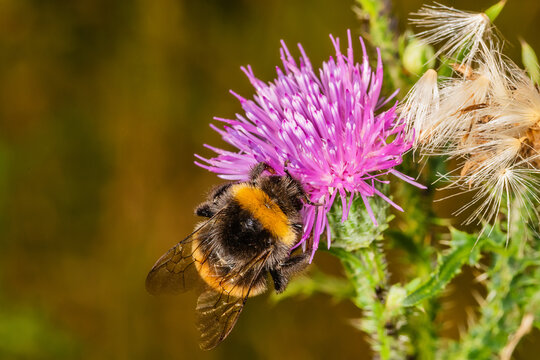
(487, 114)
(532, 149)
(488, 155)
(516, 113)
(464, 70)
(499, 71)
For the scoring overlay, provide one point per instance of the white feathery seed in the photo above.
(521, 110)
(458, 31)
(504, 183)
(420, 104)
(451, 119)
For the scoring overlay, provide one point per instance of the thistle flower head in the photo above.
(326, 125)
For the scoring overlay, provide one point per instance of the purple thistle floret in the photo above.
(326, 128)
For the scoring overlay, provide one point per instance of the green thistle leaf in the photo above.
(465, 248)
(512, 294)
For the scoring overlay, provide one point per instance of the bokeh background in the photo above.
(102, 105)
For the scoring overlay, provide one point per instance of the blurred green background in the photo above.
(102, 105)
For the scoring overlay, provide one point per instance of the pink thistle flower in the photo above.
(327, 128)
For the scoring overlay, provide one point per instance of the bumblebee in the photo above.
(250, 231)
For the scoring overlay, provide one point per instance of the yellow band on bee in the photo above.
(207, 272)
(265, 210)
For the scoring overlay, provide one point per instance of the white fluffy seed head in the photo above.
(496, 68)
(487, 115)
(485, 158)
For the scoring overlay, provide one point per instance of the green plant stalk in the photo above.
(366, 269)
(357, 243)
(413, 233)
(380, 32)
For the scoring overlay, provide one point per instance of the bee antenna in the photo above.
(309, 202)
(285, 168)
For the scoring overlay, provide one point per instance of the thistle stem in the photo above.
(381, 32)
(367, 271)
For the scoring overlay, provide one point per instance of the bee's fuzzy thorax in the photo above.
(265, 210)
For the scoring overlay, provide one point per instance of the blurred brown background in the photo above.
(102, 105)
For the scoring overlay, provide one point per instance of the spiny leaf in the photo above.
(463, 251)
(512, 291)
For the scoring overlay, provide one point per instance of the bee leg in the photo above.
(204, 210)
(209, 208)
(283, 273)
(259, 169)
(309, 202)
(302, 193)
(300, 189)
(219, 190)
(280, 281)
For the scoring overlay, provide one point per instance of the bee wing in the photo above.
(218, 312)
(175, 271)
(217, 315)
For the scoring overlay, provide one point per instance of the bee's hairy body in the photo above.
(258, 215)
(251, 229)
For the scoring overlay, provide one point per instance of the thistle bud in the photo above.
(418, 57)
